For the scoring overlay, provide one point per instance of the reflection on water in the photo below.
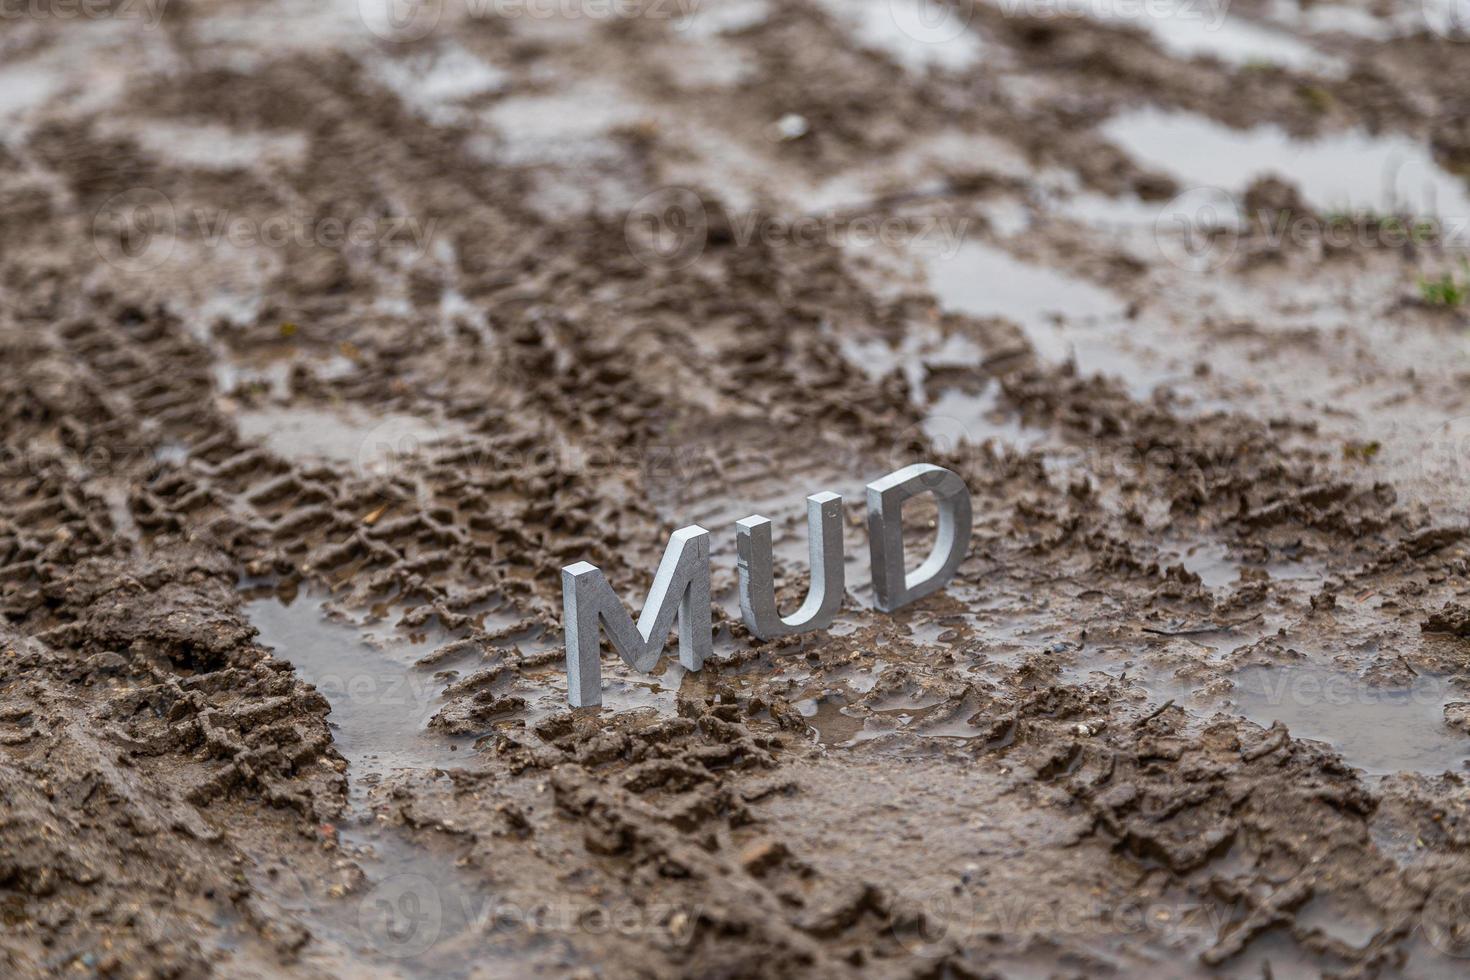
(914, 33)
(1063, 316)
(374, 444)
(1377, 728)
(380, 704)
(1352, 172)
(418, 909)
(1188, 28)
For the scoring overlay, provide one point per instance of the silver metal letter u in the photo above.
(681, 586)
(757, 580)
(892, 588)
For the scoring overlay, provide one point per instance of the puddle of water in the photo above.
(956, 417)
(839, 726)
(859, 679)
(916, 34)
(349, 435)
(230, 377)
(25, 86)
(1350, 172)
(1308, 571)
(1378, 729)
(175, 453)
(570, 114)
(871, 355)
(1275, 954)
(1339, 920)
(432, 81)
(1211, 562)
(1376, 22)
(275, 375)
(658, 692)
(922, 167)
(85, 73)
(1062, 316)
(919, 348)
(1099, 210)
(1187, 29)
(981, 280)
(708, 20)
(829, 717)
(714, 64)
(380, 705)
(565, 137)
(213, 147)
(1330, 18)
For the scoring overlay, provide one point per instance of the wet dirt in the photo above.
(330, 339)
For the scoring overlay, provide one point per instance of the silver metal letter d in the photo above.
(892, 588)
(681, 586)
(757, 581)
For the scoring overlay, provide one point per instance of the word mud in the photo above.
(681, 586)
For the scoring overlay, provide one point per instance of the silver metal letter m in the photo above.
(589, 602)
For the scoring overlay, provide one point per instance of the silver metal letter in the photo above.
(587, 601)
(891, 587)
(757, 581)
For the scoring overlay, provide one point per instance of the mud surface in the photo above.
(328, 342)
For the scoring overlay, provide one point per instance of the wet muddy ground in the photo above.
(332, 331)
